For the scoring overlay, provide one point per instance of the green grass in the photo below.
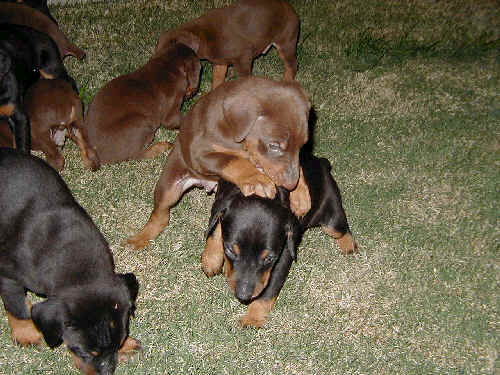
(406, 95)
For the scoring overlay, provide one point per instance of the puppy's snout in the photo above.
(290, 178)
(244, 292)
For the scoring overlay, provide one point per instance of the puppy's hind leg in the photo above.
(17, 307)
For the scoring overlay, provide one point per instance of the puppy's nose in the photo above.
(244, 292)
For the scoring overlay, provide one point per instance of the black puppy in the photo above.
(255, 239)
(50, 246)
(25, 55)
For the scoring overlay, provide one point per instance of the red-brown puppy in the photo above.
(20, 14)
(237, 34)
(126, 113)
(55, 112)
(249, 132)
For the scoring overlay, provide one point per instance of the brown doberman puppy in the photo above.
(126, 113)
(55, 112)
(237, 34)
(255, 239)
(20, 14)
(247, 131)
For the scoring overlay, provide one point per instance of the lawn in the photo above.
(406, 96)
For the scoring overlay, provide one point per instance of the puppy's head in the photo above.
(256, 233)
(270, 119)
(92, 322)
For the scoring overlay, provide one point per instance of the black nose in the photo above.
(244, 291)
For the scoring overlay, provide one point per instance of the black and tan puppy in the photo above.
(25, 55)
(255, 239)
(50, 246)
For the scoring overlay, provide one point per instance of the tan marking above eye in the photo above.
(94, 353)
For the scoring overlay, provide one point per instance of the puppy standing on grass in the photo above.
(50, 246)
(125, 114)
(237, 34)
(255, 239)
(247, 131)
(55, 112)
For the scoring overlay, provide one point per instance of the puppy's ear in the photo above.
(49, 317)
(226, 193)
(214, 220)
(240, 112)
(131, 283)
(293, 232)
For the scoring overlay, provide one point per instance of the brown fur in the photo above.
(248, 132)
(236, 34)
(53, 107)
(126, 113)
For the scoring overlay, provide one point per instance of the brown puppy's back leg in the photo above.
(346, 241)
(218, 75)
(168, 191)
(287, 55)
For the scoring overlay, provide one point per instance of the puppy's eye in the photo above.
(269, 259)
(229, 251)
(274, 147)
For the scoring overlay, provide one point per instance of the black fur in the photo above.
(50, 246)
(256, 224)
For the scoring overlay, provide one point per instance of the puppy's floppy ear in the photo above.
(214, 220)
(240, 112)
(293, 232)
(226, 192)
(49, 317)
(131, 283)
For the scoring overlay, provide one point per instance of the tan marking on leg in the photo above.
(300, 198)
(7, 109)
(345, 241)
(23, 331)
(82, 366)
(129, 348)
(158, 220)
(257, 313)
(212, 257)
(218, 75)
(156, 149)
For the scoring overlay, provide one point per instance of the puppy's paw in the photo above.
(258, 184)
(300, 198)
(130, 348)
(137, 242)
(257, 312)
(24, 332)
(347, 244)
(212, 257)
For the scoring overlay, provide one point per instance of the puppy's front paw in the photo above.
(24, 332)
(257, 313)
(258, 184)
(300, 198)
(138, 242)
(130, 348)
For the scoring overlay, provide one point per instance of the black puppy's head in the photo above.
(256, 232)
(92, 322)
